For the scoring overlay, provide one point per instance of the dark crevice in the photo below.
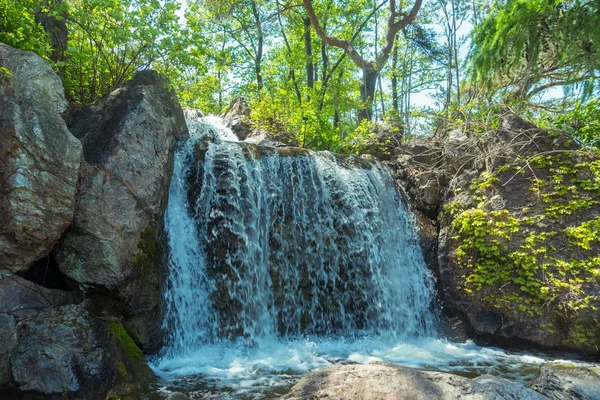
(45, 272)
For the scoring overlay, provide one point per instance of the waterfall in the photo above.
(284, 242)
(283, 260)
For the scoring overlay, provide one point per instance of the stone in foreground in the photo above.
(68, 351)
(379, 381)
(562, 382)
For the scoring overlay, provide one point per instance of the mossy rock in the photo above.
(133, 376)
(523, 244)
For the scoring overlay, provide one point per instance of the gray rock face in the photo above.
(237, 117)
(499, 175)
(21, 297)
(39, 160)
(562, 382)
(423, 186)
(129, 138)
(67, 350)
(384, 381)
(58, 352)
(497, 310)
(8, 340)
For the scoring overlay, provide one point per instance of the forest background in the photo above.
(326, 71)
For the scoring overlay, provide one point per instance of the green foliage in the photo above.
(571, 186)
(585, 234)
(529, 46)
(583, 122)
(108, 40)
(213, 51)
(19, 29)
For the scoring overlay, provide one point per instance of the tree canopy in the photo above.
(323, 69)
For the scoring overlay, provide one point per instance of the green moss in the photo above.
(585, 234)
(5, 73)
(122, 369)
(127, 345)
(583, 334)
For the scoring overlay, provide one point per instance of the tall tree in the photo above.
(370, 69)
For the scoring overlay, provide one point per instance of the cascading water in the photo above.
(283, 260)
(268, 244)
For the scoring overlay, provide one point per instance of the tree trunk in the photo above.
(395, 78)
(259, 48)
(455, 44)
(58, 32)
(259, 77)
(310, 69)
(371, 70)
(367, 93)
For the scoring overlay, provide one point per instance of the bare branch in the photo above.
(340, 43)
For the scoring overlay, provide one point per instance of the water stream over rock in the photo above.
(283, 260)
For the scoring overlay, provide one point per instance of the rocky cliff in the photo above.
(81, 212)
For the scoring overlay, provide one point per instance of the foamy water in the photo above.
(271, 368)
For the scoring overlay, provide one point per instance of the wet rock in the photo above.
(429, 240)
(237, 117)
(562, 382)
(192, 114)
(272, 137)
(420, 171)
(386, 381)
(68, 351)
(129, 138)
(178, 396)
(8, 340)
(39, 160)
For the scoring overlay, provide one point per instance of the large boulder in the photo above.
(267, 132)
(21, 299)
(39, 160)
(384, 140)
(112, 249)
(68, 351)
(389, 382)
(518, 251)
(563, 382)
(516, 210)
